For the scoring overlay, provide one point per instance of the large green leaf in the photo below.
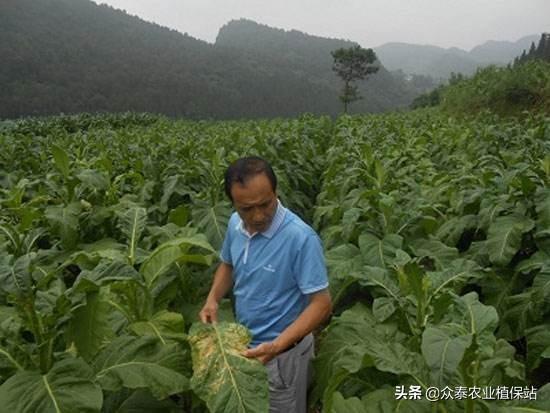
(433, 248)
(452, 230)
(61, 160)
(519, 313)
(16, 278)
(355, 340)
(104, 273)
(443, 349)
(504, 237)
(468, 316)
(89, 328)
(174, 187)
(132, 225)
(13, 237)
(542, 228)
(94, 180)
(89, 255)
(351, 405)
(538, 345)
(478, 319)
(138, 401)
(454, 275)
(383, 308)
(343, 346)
(343, 260)
(491, 212)
(164, 325)
(541, 289)
(537, 403)
(526, 309)
(177, 250)
(466, 333)
(65, 222)
(349, 221)
(212, 220)
(379, 252)
(66, 388)
(499, 366)
(535, 262)
(385, 401)
(227, 381)
(395, 358)
(138, 363)
(384, 279)
(13, 356)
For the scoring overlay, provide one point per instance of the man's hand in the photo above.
(209, 313)
(263, 352)
(223, 279)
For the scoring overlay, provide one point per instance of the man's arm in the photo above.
(317, 311)
(223, 280)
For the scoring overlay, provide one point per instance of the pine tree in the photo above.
(532, 51)
(352, 64)
(540, 48)
(545, 40)
(523, 57)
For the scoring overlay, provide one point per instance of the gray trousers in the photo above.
(289, 375)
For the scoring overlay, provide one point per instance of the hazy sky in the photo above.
(446, 23)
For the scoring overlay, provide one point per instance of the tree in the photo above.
(532, 50)
(351, 64)
(543, 49)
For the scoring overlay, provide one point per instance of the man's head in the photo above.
(251, 185)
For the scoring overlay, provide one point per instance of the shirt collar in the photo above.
(275, 224)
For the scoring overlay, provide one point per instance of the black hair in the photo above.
(245, 168)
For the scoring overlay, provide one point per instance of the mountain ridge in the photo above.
(431, 60)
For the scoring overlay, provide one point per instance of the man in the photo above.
(274, 262)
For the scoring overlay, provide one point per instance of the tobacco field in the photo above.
(437, 240)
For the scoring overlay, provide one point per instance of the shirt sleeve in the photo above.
(225, 253)
(310, 269)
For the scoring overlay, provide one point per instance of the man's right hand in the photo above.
(223, 279)
(209, 313)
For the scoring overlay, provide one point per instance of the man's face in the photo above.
(255, 202)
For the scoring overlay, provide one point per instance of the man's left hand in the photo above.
(263, 352)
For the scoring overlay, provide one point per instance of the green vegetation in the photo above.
(504, 90)
(437, 234)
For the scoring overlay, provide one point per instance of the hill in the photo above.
(438, 62)
(309, 57)
(69, 56)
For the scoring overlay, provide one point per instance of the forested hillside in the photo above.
(74, 56)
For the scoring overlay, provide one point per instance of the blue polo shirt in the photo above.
(273, 272)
